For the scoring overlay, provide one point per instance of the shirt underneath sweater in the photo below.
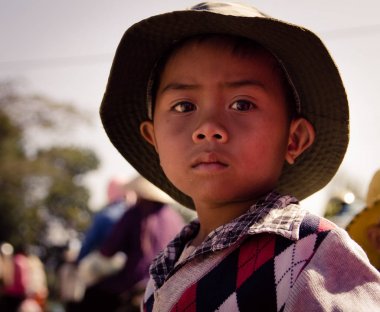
(275, 257)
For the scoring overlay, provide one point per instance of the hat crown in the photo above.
(228, 8)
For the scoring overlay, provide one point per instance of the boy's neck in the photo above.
(211, 217)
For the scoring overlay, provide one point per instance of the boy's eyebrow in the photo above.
(245, 82)
(231, 84)
(179, 86)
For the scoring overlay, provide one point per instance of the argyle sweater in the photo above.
(276, 257)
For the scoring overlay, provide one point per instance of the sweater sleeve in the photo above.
(339, 277)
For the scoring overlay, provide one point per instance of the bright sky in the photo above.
(64, 49)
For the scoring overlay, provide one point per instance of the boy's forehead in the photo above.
(195, 54)
(238, 46)
(194, 50)
(250, 61)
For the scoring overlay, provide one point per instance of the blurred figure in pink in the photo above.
(16, 279)
(119, 199)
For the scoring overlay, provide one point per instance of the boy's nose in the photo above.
(210, 132)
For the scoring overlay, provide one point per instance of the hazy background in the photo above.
(64, 49)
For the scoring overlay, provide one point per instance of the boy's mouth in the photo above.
(208, 161)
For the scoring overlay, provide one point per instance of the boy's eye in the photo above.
(183, 107)
(242, 105)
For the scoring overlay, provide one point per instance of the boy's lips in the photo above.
(208, 161)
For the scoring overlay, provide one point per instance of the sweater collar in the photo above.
(274, 213)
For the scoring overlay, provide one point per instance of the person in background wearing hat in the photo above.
(143, 231)
(364, 228)
(239, 116)
(119, 199)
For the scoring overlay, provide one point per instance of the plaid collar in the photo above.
(274, 213)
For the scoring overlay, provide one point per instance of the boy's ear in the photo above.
(301, 136)
(147, 132)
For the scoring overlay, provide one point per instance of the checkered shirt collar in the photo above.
(274, 213)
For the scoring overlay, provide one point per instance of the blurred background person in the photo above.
(70, 287)
(24, 287)
(16, 275)
(36, 290)
(365, 226)
(6, 251)
(119, 199)
(140, 234)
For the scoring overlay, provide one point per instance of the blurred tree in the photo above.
(11, 156)
(40, 183)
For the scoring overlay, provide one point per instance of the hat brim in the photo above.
(313, 73)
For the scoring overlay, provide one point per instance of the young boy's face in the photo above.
(221, 124)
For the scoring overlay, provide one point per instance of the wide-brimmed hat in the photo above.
(303, 56)
(373, 194)
(146, 190)
(364, 228)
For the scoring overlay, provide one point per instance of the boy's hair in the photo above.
(305, 61)
(241, 47)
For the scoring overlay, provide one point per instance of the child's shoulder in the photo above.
(313, 224)
(334, 238)
(295, 250)
(337, 272)
(316, 235)
(322, 255)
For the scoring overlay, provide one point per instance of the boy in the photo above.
(229, 111)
